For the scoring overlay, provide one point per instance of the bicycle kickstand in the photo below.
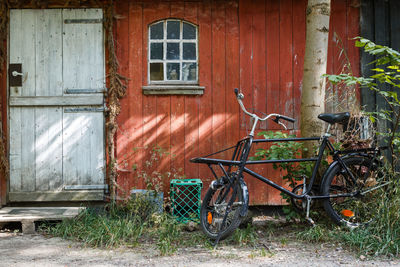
(311, 221)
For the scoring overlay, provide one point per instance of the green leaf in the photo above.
(359, 44)
(378, 70)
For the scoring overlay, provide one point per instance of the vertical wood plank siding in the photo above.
(380, 23)
(255, 45)
(3, 134)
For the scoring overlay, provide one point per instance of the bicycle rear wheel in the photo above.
(363, 188)
(215, 208)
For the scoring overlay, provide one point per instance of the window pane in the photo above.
(189, 31)
(156, 51)
(156, 72)
(173, 71)
(172, 50)
(173, 30)
(157, 31)
(189, 72)
(189, 51)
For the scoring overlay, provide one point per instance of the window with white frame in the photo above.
(173, 52)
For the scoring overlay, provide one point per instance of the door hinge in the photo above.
(82, 21)
(77, 110)
(85, 91)
(86, 187)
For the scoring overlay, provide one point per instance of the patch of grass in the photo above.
(244, 237)
(169, 233)
(121, 224)
(382, 236)
(127, 224)
(318, 233)
(99, 230)
(196, 239)
(261, 253)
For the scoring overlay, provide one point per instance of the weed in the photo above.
(245, 237)
(153, 178)
(99, 230)
(284, 241)
(142, 206)
(317, 233)
(382, 236)
(112, 226)
(197, 239)
(169, 233)
(261, 253)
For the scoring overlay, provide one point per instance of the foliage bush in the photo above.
(387, 72)
(382, 236)
(292, 173)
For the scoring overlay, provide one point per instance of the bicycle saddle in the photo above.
(335, 117)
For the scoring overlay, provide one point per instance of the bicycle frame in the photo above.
(241, 154)
(233, 179)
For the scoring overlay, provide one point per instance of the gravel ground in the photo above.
(17, 249)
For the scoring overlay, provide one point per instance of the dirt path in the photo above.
(36, 250)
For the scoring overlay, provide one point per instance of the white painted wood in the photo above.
(57, 100)
(83, 146)
(15, 51)
(48, 50)
(28, 152)
(27, 38)
(48, 147)
(87, 70)
(15, 150)
(22, 27)
(15, 113)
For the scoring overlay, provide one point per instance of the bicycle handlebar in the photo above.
(240, 96)
(285, 118)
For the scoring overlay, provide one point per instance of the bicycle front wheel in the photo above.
(220, 211)
(354, 197)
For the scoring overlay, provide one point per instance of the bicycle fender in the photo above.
(333, 164)
(326, 173)
(245, 193)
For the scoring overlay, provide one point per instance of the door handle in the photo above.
(16, 73)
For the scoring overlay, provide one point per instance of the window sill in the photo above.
(173, 90)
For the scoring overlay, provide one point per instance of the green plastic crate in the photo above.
(186, 199)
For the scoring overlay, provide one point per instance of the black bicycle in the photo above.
(349, 186)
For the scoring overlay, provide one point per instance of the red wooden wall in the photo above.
(256, 45)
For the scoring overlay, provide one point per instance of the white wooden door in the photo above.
(56, 117)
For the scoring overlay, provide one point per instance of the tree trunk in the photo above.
(316, 54)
